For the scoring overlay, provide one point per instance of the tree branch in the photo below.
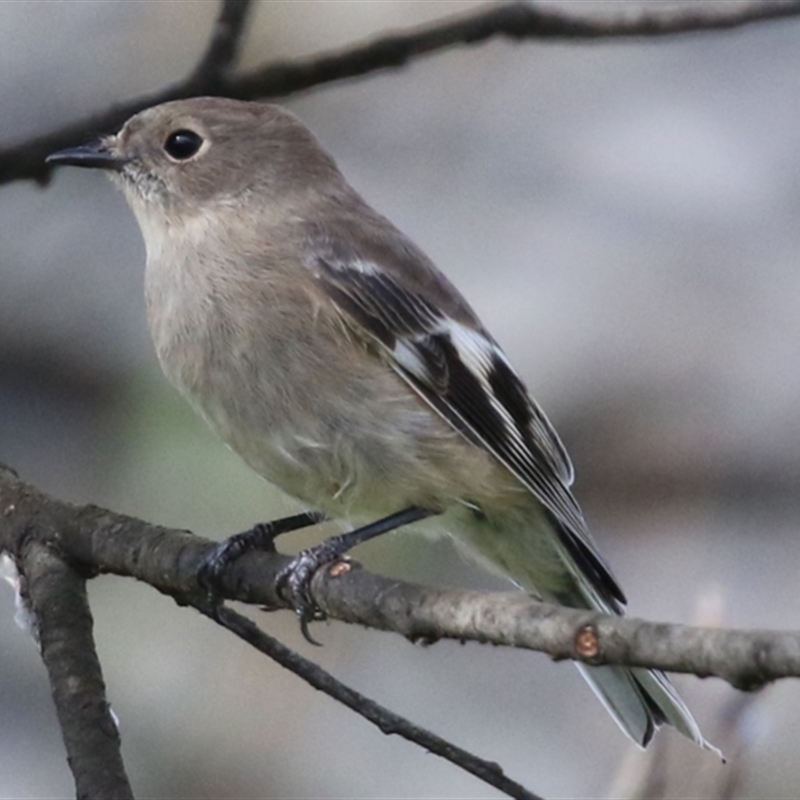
(57, 594)
(168, 560)
(386, 720)
(224, 45)
(516, 20)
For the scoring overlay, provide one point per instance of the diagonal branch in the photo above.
(169, 559)
(516, 20)
(57, 595)
(224, 45)
(386, 720)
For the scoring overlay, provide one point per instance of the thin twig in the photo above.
(224, 45)
(517, 21)
(386, 720)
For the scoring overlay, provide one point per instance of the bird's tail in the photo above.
(525, 549)
(640, 701)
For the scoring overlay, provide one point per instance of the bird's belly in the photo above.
(313, 413)
(360, 455)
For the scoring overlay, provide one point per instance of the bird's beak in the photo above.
(95, 154)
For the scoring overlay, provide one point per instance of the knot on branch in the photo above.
(757, 669)
(587, 643)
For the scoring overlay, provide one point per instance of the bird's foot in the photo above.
(211, 572)
(294, 581)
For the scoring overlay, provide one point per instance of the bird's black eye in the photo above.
(183, 144)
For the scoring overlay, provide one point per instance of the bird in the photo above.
(328, 351)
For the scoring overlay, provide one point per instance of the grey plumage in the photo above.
(328, 351)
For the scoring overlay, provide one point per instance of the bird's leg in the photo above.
(260, 537)
(294, 580)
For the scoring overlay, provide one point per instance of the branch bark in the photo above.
(224, 45)
(168, 560)
(57, 595)
(43, 535)
(517, 21)
(389, 722)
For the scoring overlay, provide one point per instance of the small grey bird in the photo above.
(329, 352)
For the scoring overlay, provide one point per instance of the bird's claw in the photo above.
(211, 570)
(293, 583)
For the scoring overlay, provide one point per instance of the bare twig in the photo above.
(169, 559)
(57, 594)
(517, 20)
(386, 720)
(747, 659)
(223, 48)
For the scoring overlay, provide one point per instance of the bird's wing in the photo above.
(444, 353)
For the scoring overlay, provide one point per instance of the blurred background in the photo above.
(622, 215)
